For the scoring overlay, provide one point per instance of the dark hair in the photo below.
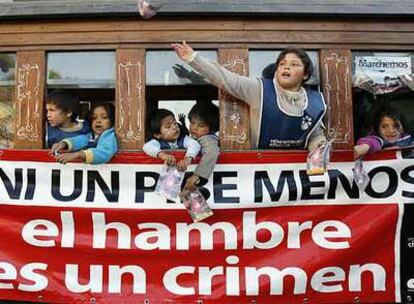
(269, 71)
(155, 119)
(65, 101)
(392, 113)
(207, 113)
(109, 108)
(304, 57)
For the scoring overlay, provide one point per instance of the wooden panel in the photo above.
(130, 98)
(30, 80)
(205, 36)
(234, 113)
(337, 88)
(234, 33)
(210, 24)
(213, 45)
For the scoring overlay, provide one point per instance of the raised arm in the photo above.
(241, 87)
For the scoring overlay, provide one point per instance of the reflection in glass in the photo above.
(7, 111)
(7, 69)
(81, 69)
(165, 68)
(7, 115)
(260, 60)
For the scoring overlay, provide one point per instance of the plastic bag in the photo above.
(196, 204)
(318, 160)
(361, 177)
(169, 182)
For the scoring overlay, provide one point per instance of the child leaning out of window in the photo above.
(167, 134)
(389, 130)
(97, 147)
(61, 114)
(204, 124)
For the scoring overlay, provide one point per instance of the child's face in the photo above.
(169, 130)
(198, 128)
(55, 116)
(290, 72)
(100, 120)
(390, 129)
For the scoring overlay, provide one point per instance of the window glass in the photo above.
(173, 85)
(81, 70)
(165, 68)
(260, 59)
(382, 80)
(7, 69)
(7, 111)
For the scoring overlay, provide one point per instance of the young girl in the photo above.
(97, 147)
(282, 113)
(167, 134)
(61, 114)
(389, 131)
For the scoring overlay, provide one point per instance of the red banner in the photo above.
(81, 233)
(322, 253)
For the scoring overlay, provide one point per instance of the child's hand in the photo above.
(183, 164)
(191, 182)
(360, 150)
(57, 147)
(184, 51)
(181, 118)
(67, 157)
(167, 158)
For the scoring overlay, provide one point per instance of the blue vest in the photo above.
(278, 130)
(54, 135)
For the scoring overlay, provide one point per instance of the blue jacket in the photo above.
(98, 150)
(56, 134)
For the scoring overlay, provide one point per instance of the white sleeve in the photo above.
(242, 87)
(192, 146)
(152, 148)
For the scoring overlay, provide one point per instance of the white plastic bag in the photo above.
(361, 177)
(196, 204)
(169, 182)
(318, 160)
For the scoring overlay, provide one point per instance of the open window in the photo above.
(89, 75)
(173, 85)
(381, 80)
(7, 109)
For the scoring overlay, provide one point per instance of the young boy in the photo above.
(204, 123)
(167, 134)
(61, 113)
